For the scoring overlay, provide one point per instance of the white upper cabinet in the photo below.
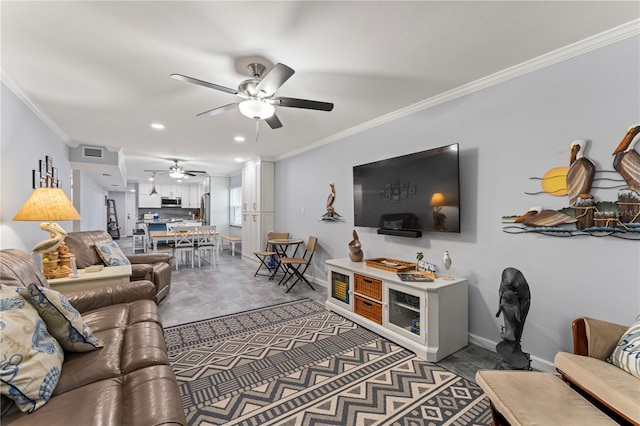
(257, 187)
(145, 201)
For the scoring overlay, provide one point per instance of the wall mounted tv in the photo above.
(409, 194)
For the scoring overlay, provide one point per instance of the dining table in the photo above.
(167, 235)
(282, 246)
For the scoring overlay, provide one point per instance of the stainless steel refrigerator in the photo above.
(205, 209)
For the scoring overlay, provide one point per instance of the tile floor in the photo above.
(230, 287)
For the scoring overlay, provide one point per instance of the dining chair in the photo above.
(297, 266)
(267, 257)
(184, 242)
(206, 242)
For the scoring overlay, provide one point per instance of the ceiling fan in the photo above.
(176, 171)
(258, 93)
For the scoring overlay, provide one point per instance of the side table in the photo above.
(109, 275)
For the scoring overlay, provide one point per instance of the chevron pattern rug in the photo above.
(299, 364)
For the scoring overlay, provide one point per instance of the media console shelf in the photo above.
(428, 318)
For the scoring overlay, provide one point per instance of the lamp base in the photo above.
(56, 265)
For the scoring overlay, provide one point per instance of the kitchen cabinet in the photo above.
(191, 196)
(428, 318)
(170, 190)
(258, 202)
(145, 201)
(258, 187)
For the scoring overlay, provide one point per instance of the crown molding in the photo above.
(10, 83)
(594, 42)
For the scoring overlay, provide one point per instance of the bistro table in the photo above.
(281, 246)
(168, 235)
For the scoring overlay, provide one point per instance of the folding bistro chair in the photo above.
(264, 256)
(206, 243)
(297, 266)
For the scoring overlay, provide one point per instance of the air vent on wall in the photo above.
(91, 152)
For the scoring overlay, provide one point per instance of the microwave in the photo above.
(171, 202)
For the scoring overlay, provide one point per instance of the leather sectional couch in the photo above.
(154, 267)
(126, 382)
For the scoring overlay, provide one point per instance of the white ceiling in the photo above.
(98, 72)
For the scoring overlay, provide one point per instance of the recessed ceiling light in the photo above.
(238, 159)
(239, 139)
(157, 126)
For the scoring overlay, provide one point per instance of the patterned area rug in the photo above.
(299, 364)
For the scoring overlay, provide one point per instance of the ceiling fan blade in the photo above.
(303, 103)
(275, 78)
(206, 84)
(273, 122)
(218, 110)
(154, 171)
(192, 172)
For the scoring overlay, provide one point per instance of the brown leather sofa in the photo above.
(154, 267)
(127, 382)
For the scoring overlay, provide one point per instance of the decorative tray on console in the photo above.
(392, 265)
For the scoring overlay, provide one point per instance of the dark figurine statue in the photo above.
(514, 301)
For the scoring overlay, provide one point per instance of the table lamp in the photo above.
(437, 201)
(49, 204)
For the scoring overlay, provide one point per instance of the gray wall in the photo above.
(507, 133)
(25, 140)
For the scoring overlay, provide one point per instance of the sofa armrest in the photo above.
(88, 300)
(141, 271)
(595, 338)
(150, 258)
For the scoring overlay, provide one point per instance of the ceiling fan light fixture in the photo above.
(256, 109)
(176, 174)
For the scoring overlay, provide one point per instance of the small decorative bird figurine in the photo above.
(330, 200)
(581, 171)
(627, 159)
(537, 216)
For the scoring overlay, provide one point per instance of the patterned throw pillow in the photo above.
(63, 320)
(626, 354)
(112, 254)
(31, 358)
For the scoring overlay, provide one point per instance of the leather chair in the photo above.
(154, 267)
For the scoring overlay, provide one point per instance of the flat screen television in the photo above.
(409, 194)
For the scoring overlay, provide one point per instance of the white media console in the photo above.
(428, 318)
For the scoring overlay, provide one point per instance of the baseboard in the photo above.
(536, 362)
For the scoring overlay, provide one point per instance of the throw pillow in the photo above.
(111, 254)
(31, 358)
(626, 354)
(63, 320)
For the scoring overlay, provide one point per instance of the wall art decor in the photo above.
(585, 215)
(46, 176)
(331, 215)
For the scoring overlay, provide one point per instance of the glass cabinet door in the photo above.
(340, 287)
(406, 313)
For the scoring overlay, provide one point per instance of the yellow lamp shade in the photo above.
(47, 204)
(437, 200)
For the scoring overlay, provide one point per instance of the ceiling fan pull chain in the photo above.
(257, 130)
